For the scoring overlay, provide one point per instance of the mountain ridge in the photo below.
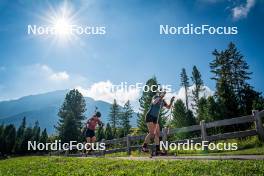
(44, 108)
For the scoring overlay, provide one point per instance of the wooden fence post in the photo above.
(258, 124)
(128, 145)
(203, 132)
(164, 135)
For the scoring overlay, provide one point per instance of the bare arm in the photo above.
(168, 106)
(100, 122)
(156, 100)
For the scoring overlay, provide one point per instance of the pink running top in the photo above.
(92, 122)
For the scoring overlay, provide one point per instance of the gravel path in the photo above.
(226, 157)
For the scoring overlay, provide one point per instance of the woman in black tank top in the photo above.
(152, 117)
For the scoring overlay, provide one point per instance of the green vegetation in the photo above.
(198, 87)
(249, 151)
(125, 117)
(102, 166)
(114, 117)
(71, 115)
(249, 146)
(14, 141)
(233, 97)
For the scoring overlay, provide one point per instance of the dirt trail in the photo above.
(226, 157)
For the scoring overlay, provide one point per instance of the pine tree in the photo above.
(144, 103)
(258, 104)
(190, 118)
(114, 117)
(179, 114)
(198, 87)
(44, 136)
(21, 128)
(27, 136)
(213, 110)
(108, 132)
(71, 114)
(186, 85)
(181, 117)
(231, 73)
(249, 97)
(2, 127)
(9, 138)
(221, 68)
(126, 115)
(36, 132)
(240, 70)
(19, 135)
(208, 110)
(100, 133)
(202, 110)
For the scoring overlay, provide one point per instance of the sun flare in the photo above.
(61, 21)
(62, 27)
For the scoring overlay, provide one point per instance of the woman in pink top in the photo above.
(91, 125)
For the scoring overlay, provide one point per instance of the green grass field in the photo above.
(248, 151)
(102, 166)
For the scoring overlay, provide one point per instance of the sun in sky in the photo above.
(62, 26)
(61, 19)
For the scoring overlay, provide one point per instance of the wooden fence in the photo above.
(127, 144)
(255, 118)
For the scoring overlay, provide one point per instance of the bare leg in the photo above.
(93, 139)
(88, 140)
(157, 134)
(151, 134)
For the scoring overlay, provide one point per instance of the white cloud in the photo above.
(180, 94)
(59, 76)
(38, 78)
(242, 11)
(52, 75)
(104, 91)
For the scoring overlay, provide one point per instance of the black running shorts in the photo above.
(150, 118)
(89, 133)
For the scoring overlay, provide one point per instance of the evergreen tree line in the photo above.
(15, 141)
(119, 122)
(71, 116)
(233, 96)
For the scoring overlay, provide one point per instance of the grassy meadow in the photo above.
(36, 165)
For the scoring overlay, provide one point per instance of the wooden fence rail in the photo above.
(255, 118)
(127, 144)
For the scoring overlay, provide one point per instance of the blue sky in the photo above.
(132, 49)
